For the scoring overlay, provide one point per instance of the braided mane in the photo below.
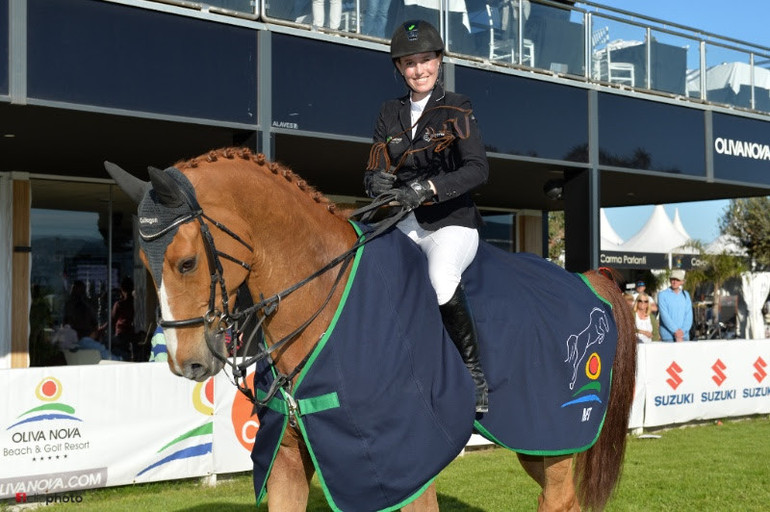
(275, 168)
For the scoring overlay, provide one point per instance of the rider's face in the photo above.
(420, 72)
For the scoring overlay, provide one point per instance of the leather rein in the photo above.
(218, 322)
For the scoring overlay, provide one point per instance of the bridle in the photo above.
(218, 322)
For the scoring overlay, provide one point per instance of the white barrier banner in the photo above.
(235, 425)
(76, 427)
(636, 418)
(705, 380)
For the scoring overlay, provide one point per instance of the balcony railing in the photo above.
(584, 40)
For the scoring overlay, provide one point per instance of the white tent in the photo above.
(610, 240)
(726, 244)
(678, 224)
(658, 235)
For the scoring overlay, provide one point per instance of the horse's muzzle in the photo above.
(201, 370)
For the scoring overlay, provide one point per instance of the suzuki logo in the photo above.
(674, 370)
(760, 365)
(720, 376)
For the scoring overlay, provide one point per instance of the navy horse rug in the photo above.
(385, 401)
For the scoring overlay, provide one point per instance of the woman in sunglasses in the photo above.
(647, 327)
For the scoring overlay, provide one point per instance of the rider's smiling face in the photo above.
(420, 72)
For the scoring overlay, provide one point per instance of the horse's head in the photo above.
(189, 255)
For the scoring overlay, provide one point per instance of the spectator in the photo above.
(335, 13)
(91, 342)
(629, 297)
(675, 310)
(159, 352)
(78, 313)
(376, 17)
(647, 327)
(123, 319)
(641, 287)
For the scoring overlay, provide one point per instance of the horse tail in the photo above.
(598, 469)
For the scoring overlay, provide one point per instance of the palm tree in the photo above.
(716, 269)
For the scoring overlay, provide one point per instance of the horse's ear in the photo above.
(166, 189)
(128, 183)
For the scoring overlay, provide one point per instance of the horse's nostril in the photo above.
(196, 371)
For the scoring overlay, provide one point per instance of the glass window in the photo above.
(336, 15)
(364, 78)
(728, 76)
(619, 52)
(519, 116)
(674, 59)
(556, 37)
(642, 134)
(116, 56)
(83, 273)
(500, 230)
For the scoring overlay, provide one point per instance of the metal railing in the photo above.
(584, 40)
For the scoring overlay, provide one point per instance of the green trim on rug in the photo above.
(263, 490)
(591, 287)
(330, 329)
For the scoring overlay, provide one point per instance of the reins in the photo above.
(270, 305)
(441, 140)
(235, 321)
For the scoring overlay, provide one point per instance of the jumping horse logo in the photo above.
(577, 344)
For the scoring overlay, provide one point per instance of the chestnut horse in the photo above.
(247, 220)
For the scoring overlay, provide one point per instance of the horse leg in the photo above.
(289, 482)
(554, 475)
(427, 502)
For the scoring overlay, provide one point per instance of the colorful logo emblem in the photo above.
(589, 392)
(48, 390)
(195, 442)
(674, 370)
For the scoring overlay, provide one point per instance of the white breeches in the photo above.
(449, 251)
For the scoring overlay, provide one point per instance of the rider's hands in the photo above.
(378, 182)
(414, 194)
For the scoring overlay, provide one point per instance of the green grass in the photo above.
(705, 468)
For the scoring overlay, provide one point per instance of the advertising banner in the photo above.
(77, 427)
(235, 425)
(705, 380)
(636, 419)
(68, 428)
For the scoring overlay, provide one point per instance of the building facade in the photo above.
(581, 107)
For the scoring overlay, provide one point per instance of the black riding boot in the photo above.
(458, 321)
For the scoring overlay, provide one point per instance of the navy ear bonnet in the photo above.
(164, 208)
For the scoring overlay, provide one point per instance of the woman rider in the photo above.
(433, 137)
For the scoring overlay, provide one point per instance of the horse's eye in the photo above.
(187, 265)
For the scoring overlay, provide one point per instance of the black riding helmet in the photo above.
(415, 36)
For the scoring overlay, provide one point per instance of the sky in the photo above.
(746, 20)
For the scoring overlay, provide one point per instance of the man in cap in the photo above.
(675, 310)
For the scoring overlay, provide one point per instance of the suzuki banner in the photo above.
(705, 380)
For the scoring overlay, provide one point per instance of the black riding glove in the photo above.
(378, 182)
(414, 194)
